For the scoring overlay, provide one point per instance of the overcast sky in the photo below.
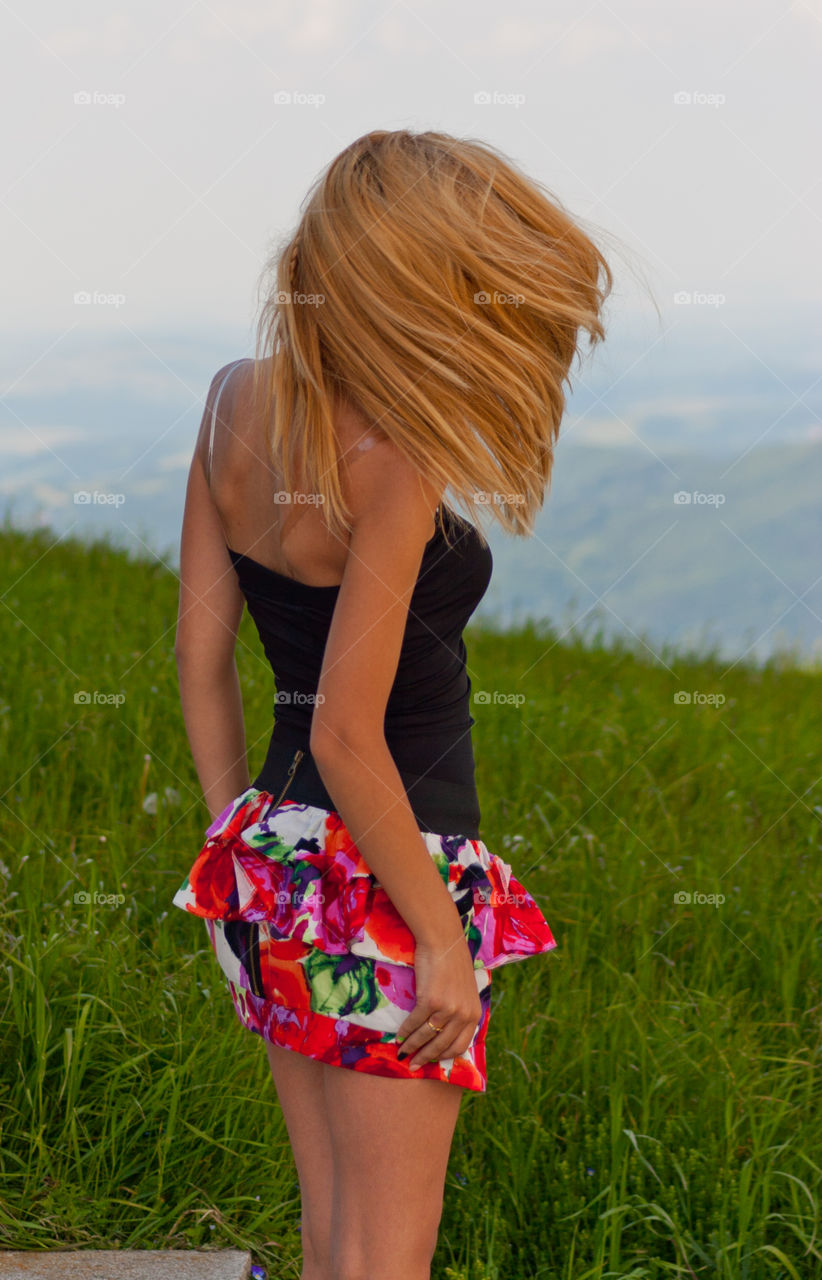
(167, 187)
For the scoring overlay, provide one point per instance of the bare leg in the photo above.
(301, 1092)
(390, 1142)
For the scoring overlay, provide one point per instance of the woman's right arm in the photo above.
(391, 515)
(391, 510)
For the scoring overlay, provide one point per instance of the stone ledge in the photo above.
(126, 1264)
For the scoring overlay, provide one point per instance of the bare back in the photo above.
(289, 537)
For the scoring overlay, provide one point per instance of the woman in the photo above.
(424, 317)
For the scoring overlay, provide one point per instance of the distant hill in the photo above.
(612, 548)
(739, 564)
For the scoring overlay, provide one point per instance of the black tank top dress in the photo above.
(427, 718)
(316, 956)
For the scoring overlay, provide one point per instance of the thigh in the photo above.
(299, 1082)
(390, 1143)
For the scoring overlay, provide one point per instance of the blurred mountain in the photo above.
(736, 567)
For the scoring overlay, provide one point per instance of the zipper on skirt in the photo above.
(292, 769)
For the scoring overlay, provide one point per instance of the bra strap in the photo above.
(231, 369)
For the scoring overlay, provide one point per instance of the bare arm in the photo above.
(213, 714)
(392, 512)
(210, 608)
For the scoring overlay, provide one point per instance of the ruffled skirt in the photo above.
(316, 956)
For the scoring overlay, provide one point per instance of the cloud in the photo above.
(599, 431)
(175, 461)
(48, 494)
(18, 442)
(316, 26)
(569, 41)
(110, 36)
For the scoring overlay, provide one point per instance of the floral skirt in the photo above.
(316, 956)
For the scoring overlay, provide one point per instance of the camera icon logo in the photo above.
(682, 898)
(681, 697)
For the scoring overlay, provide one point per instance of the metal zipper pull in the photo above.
(292, 768)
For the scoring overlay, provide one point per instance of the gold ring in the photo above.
(431, 1025)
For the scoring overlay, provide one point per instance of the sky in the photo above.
(155, 154)
(151, 164)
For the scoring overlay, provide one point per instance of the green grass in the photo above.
(653, 1103)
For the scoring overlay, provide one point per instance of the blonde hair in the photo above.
(440, 292)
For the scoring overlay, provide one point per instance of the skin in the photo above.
(371, 1156)
(375, 1216)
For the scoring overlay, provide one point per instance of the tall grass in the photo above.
(653, 1103)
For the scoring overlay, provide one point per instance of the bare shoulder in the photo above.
(231, 382)
(384, 489)
(226, 396)
(240, 379)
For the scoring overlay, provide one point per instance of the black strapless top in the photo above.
(427, 718)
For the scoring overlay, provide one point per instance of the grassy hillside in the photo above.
(653, 1100)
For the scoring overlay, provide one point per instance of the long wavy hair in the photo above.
(440, 292)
